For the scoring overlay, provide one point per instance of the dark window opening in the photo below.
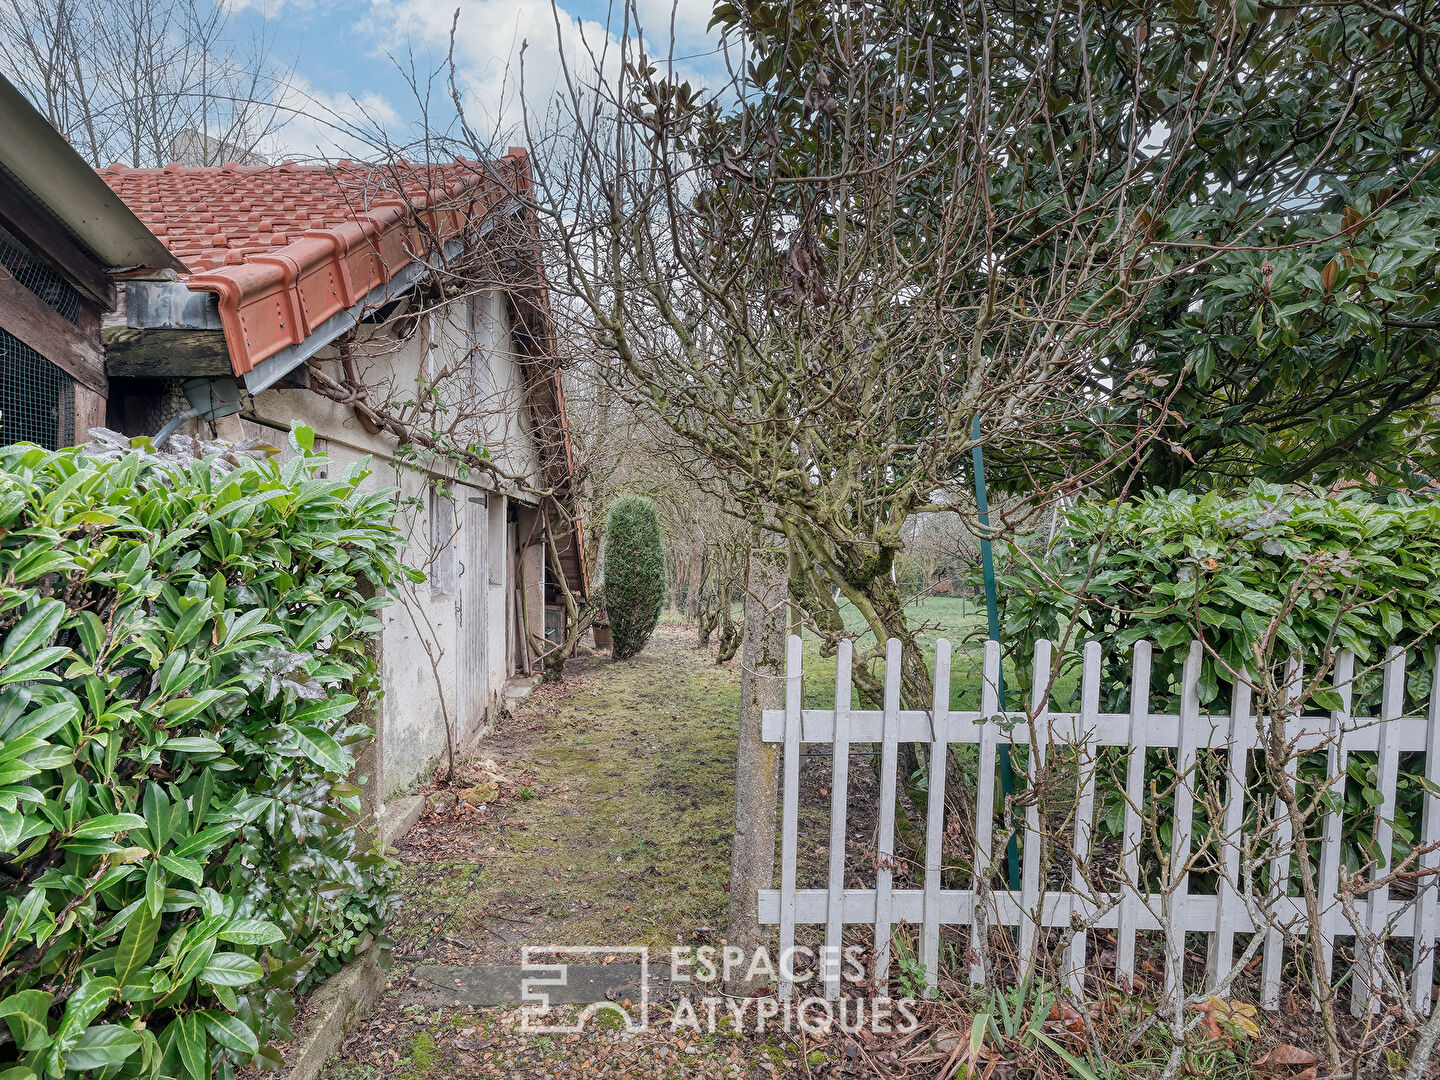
(37, 399)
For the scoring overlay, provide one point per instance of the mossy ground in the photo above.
(614, 827)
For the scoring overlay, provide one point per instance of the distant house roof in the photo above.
(286, 247)
(191, 147)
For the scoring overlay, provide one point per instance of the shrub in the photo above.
(1342, 572)
(1172, 567)
(183, 652)
(634, 573)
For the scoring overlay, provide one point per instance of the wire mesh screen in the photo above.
(37, 399)
(52, 289)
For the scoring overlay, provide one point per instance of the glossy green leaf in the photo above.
(26, 1014)
(229, 1032)
(324, 750)
(32, 632)
(251, 932)
(231, 969)
(191, 1041)
(108, 825)
(100, 1047)
(136, 943)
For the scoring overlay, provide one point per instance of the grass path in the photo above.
(617, 823)
(611, 826)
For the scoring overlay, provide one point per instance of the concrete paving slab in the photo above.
(500, 985)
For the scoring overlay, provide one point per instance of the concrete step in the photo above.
(520, 688)
(572, 984)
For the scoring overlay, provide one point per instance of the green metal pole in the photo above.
(992, 611)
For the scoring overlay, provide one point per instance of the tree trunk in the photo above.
(709, 619)
(757, 764)
(694, 582)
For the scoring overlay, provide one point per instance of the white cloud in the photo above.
(491, 35)
(269, 9)
(691, 18)
(315, 124)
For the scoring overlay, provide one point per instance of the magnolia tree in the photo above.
(885, 225)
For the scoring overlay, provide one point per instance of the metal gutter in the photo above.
(173, 305)
(274, 368)
(38, 158)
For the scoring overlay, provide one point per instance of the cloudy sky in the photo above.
(350, 55)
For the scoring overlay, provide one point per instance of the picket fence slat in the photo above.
(1422, 979)
(839, 800)
(985, 798)
(885, 844)
(1179, 870)
(1033, 839)
(1131, 903)
(790, 811)
(1086, 764)
(1231, 908)
(1366, 986)
(935, 818)
(1336, 763)
(1273, 961)
(1152, 897)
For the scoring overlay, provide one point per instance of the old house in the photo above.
(399, 314)
(65, 238)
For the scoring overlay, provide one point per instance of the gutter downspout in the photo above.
(210, 399)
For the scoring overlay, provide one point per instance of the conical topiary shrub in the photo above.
(634, 573)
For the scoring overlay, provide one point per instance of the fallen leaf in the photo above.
(1285, 1056)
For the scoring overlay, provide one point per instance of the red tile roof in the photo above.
(286, 247)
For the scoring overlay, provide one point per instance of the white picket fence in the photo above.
(1175, 910)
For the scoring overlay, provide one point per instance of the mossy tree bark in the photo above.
(757, 764)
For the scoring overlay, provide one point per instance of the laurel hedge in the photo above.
(1320, 572)
(182, 650)
(1343, 571)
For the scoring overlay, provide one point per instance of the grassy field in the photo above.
(962, 622)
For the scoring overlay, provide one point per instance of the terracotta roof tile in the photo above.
(304, 241)
(286, 247)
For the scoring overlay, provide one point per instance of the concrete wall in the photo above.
(441, 661)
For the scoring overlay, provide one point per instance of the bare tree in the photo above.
(145, 82)
(804, 274)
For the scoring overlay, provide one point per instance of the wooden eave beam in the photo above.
(164, 353)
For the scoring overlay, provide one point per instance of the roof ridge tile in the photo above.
(308, 239)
